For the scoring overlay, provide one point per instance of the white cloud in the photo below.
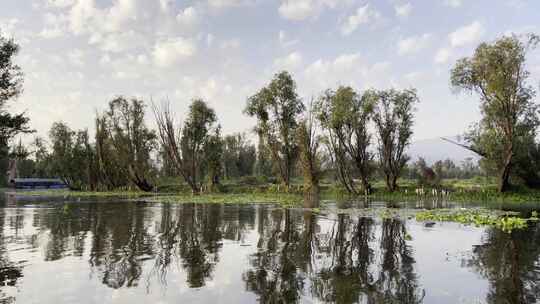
(443, 55)
(55, 26)
(303, 9)
(413, 44)
(209, 39)
(363, 15)
(59, 3)
(297, 9)
(230, 44)
(172, 51)
(467, 34)
(164, 5)
(284, 40)
(8, 26)
(290, 62)
(453, 3)
(403, 10)
(227, 3)
(188, 16)
(76, 57)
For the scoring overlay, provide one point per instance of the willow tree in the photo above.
(393, 115)
(276, 108)
(71, 155)
(11, 86)
(496, 73)
(194, 148)
(310, 160)
(346, 116)
(132, 141)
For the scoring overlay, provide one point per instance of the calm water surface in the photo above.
(129, 252)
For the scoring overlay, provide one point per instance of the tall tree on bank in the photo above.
(188, 148)
(11, 86)
(132, 140)
(277, 107)
(71, 155)
(345, 116)
(497, 73)
(393, 116)
(310, 159)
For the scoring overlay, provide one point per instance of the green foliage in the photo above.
(239, 156)
(129, 140)
(346, 116)
(196, 149)
(11, 86)
(497, 73)
(394, 117)
(505, 221)
(71, 155)
(276, 108)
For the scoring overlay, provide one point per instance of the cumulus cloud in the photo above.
(9, 26)
(227, 3)
(76, 57)
(59, 3)
(290, 62)
(346, 69)
(297, 9)
(453, 3)
(173, 50)
(403, 10)
(303, 9)
(467, 34)
(443, 55)
(188, 16)
(363, 15)
(284, 39)
(413, 44)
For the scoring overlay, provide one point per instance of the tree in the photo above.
(310, 159)
(11, 86)
(189, 147)
(496, 72)
(107, 167)
(346, 116)
(132, 140)
(71, 155)
(276, 108)
(239, 156)
(393, 117)
(213, 155)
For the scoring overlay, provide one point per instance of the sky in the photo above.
(79, 54)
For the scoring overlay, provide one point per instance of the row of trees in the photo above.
(353, 134)
(334, 134)
(339, 120)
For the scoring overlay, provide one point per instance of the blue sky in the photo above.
(78, 54)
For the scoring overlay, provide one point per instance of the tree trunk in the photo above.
(504, 174)
(391, 182)
(504, 179)
(311, 196)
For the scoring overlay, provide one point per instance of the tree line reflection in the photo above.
(297, 254)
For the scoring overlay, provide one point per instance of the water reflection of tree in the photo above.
(192, 235)
(120, 244)
(511, 263)
(274, 276)
(335, 264)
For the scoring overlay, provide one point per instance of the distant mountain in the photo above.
(436, 149)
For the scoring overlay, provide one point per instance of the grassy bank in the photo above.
(459, 191)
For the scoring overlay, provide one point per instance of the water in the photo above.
(127, 252)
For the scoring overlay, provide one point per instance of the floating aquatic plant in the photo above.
(506, 221)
